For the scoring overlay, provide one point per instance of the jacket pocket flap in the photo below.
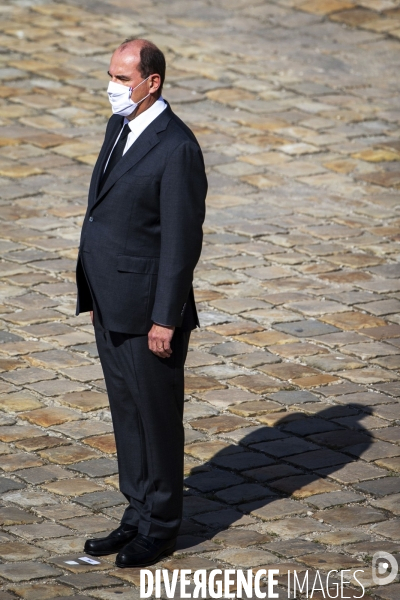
(137, 264)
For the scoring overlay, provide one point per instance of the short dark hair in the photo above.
(152, 60)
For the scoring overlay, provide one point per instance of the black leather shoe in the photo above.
(115, 541)
(144, 551)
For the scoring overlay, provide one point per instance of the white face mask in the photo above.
(120, 98)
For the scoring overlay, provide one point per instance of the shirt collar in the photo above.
(147, 116)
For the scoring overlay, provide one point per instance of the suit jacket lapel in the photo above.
(145, 142)
(148, 140)
(102, 158)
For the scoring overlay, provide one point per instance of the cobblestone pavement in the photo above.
(292, 412)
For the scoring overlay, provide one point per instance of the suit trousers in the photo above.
(146, 395)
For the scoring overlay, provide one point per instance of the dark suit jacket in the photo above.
(142, 233)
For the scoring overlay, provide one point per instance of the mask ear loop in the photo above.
(139, 84)
(140, 101)
(135, 88)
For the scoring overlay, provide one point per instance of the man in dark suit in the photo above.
(140, 242)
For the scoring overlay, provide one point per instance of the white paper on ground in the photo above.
(88, 560)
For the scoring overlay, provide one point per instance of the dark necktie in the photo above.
(116, 154)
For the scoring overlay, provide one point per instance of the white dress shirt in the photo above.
(139, 124)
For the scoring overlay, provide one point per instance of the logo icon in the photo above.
(384, 568)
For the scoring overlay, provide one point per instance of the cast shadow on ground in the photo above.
(264, 464)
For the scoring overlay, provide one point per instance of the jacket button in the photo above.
(90, 219)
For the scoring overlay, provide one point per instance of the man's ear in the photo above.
(155, 83)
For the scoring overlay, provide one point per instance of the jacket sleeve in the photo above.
(183, 192)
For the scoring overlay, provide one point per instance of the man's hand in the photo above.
(92, 317)
(160, 338)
